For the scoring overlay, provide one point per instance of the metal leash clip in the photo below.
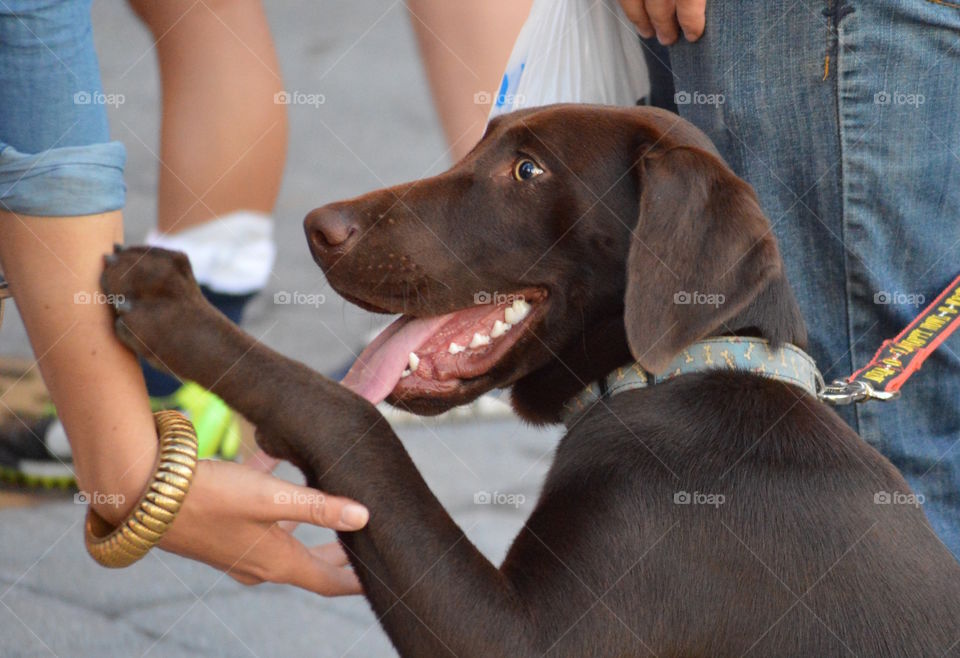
(840, 392)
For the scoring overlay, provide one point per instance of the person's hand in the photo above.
(238, 518)
(662, 17)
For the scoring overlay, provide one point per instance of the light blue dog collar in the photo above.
(787, 363)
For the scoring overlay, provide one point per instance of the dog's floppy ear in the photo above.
(700, 253)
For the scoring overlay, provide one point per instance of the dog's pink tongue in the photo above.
(378, 368)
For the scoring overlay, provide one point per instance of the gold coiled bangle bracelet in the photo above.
(121, 546)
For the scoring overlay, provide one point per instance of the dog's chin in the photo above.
(365, 305)
(455, 393)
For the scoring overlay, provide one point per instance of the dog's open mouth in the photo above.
(439, 356)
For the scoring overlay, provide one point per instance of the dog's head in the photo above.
(571, 240)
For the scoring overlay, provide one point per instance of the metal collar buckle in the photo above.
(841, 392)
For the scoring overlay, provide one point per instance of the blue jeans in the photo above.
(56, 157)
(845, 118)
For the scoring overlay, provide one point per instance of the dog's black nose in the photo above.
(329, 229)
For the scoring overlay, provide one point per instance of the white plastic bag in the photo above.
(573, 51)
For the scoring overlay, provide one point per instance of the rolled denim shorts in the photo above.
(56, 157)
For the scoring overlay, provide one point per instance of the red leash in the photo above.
(899, 358)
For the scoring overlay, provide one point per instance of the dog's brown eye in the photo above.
(526, 169)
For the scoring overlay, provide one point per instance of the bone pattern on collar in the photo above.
(787, 363)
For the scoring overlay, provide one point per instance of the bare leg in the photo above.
(465, 47)
(224, 140)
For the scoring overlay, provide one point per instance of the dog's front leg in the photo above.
(433, 591)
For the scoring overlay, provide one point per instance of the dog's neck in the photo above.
(540, 396)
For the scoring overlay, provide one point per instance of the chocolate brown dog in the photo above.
(547, 258)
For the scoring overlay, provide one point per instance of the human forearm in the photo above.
(54, 265)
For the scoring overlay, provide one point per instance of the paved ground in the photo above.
(376, 127)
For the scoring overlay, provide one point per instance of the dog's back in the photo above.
(737, 516)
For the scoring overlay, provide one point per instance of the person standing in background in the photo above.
(222, 152)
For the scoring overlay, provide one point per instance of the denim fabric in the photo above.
(61, 182)
(55, 155)
(846, 120)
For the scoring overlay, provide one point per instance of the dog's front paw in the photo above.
(152, 292)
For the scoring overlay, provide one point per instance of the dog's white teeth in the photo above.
(521, 308)
(516, 311)
(414, 362)
(405, 373)
(455, 349)
(480, 340)
(499, 329)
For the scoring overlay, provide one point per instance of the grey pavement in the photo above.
(376, 127)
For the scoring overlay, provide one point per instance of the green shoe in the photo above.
(218, 431)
